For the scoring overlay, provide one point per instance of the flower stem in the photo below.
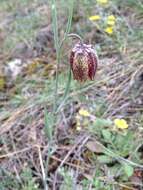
(75, 36)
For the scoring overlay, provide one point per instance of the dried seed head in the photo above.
(83, 60)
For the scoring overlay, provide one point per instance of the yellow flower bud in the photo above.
(84, 113)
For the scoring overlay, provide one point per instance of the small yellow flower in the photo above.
(77, 117)
(103, 2)
(111, 20)
(95, 18)
(78, 123)
(109, 30)
(121, 123)
(78, 128)
(84, 112)
(111, 17)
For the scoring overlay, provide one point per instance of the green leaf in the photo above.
(106, 134)
(123, 143)
(129, 170)
(104, 159)
(49, 123)
(102, 122)
(66, 91)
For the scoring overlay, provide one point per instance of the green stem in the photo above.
(66, 91)
(75, 36)
(56, 42)
(58, 46)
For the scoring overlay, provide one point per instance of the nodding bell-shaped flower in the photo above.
(83, 61)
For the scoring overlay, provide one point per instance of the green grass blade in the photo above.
(71, 7)
(55, 25)
(66, 91)
(49, 122)
(68, 27)
(57, 46)
(56, 43)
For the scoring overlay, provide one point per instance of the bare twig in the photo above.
(42, 169)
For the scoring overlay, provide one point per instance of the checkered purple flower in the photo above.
(83, 60)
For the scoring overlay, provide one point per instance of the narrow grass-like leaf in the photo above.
(49, 121)
(56, 43)
(66, 91)
(71, 6)
(68, 27)
(55, 24)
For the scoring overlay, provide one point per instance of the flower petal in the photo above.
(84, 61)
(84, 112)
(111, 22)
(111, 17)
(109, 30)
(95, 17)
(102, 1)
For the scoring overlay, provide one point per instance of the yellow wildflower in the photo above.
(109, 30)
(102, 1)
(84, 112)
(95, 18)
(111, 20)
(121, 123)
(78, 123)
(111, 17)
(77, 117)
(78, 128)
